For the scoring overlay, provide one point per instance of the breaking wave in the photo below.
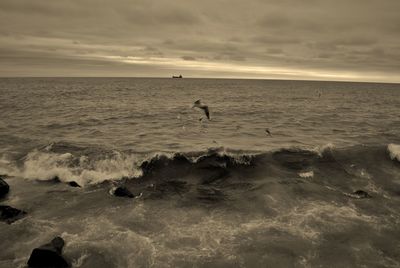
(88, 166)
(394, 151)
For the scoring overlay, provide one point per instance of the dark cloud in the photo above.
(188, 58)
(255, 38)
(276, 39)
(228, 57)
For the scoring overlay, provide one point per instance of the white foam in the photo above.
(308, 174)
(194, 157)
(100, 236)
(394, 151)
(6, 166)
(310, 219)
(67, 167)
(323, 148)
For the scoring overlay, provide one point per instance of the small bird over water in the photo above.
(268, 132)
(198, 104)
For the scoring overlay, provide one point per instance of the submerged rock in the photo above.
(359, 194)
(362, 194)
(49, 255)
(4, 188)
(10, 214)
(55, 179)
(73, 184)
(122, 191)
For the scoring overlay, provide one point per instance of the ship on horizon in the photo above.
(179, 76)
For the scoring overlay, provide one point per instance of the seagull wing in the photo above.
(205, 108)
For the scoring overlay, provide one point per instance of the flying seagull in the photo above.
(198, 104)
(268, 132)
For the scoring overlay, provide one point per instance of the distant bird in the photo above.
(268, 132)
(198, 104)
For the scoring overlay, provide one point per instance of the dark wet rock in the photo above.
(73, 184)
(4, 188)
(55, 179)
(49, 255)
(359, 194)
(122, 191)
(362, 194)
(9, 214)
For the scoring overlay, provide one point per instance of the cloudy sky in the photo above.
(356, 40)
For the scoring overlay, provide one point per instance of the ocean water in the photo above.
(213, 193)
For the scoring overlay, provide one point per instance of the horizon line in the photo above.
(220, 78)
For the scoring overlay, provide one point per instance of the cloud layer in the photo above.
(289, 39)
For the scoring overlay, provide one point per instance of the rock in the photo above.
(55, 179)
(362, 194)
(73, 184)
(49, 255)
(4, 188)
(122, 191)
(10, 214)
(359, 194)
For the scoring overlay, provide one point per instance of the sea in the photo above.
(218, 192)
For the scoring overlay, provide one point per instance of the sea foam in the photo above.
(394, 151)
(308, 174)
(67, 167)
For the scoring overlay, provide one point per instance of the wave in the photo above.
(66, 162)
(94, 165)
(394, 151)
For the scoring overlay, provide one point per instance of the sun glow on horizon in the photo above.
(243, 70)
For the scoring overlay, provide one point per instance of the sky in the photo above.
(349, 40)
